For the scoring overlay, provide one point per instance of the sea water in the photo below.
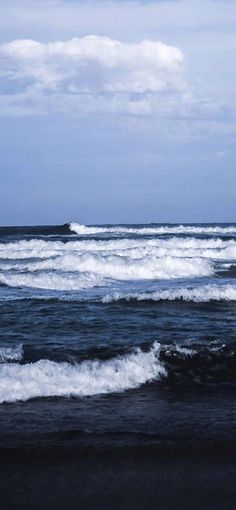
(117, 334)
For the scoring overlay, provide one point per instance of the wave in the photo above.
(153, 230)
(93, 270)
(120, 267)
(68, 229)
(52, 281)
(168, 365)
(206, 364)
(46, 378)
(200, 294)
(82, 264)
(11, 354)
(34, 248)
(214, 248)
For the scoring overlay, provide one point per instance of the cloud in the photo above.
(93, 72)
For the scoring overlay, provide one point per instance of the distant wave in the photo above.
(153, 230)
(200, 294)
(48, 379)
(68, 229)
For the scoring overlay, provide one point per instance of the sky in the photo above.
(117, 111)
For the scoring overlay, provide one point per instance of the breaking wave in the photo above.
(80, 264)
(86, 271)
(136, 248)
(46, 378)
(51, 281)
(171, 364)
(155, 230)
(11, 353)
(200, 294)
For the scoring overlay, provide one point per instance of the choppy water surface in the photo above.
(117, 333)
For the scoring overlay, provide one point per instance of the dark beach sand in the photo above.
(134, 479)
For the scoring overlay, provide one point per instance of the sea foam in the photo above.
(11, 353)
(51, 281)
(204, 293)
(173, 229)
(83, 264)
(86, 271)
(46, 378)
(213, 248)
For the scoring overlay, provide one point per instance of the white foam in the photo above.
(51, 281)
(212, 248)
(45, 249)
(203, 293)
(184, 352)
(77, 265)
(93, 270)
(34, 248)
(47, 378)
(11, 353)
(173, 229)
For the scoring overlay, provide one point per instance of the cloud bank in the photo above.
(89, 73)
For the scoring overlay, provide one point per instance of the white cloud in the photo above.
(99, 72)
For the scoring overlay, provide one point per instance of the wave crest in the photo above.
(155, 230)
(49, 379)
(11, 353)
(200, 294)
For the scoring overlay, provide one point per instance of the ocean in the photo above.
(118, 340)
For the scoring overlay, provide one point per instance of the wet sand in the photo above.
(116, 479)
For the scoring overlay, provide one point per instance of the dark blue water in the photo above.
(117, 336)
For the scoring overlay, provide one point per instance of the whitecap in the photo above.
(201, 294)
(46, 378)
(158, 230)
(11, 353)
